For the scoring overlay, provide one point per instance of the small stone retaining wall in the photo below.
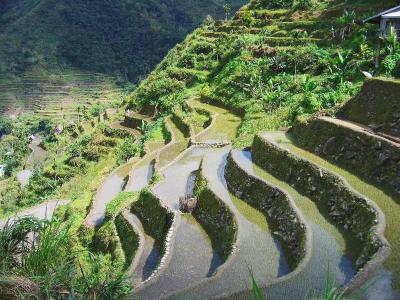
(156, 219)
(346, 207)
(360, 153)
(182, 126)
(132, 122)
(275, 205)
(128, 237)
(215, 217)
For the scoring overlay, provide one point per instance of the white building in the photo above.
(387, 19)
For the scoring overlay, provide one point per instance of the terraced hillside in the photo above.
(209, 202)
(59, 96)
(119, 37)
(268, 65)
(294, 218)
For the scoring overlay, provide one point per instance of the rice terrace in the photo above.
(200, 149)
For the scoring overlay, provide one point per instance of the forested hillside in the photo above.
(255, 161)
(115, 37)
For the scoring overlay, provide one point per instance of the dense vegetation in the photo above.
(123, 37)
(273, 65)
(273, 61)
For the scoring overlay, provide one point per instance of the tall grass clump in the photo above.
(36, 262)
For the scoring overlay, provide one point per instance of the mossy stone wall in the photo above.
(376, 160)
(128, 237)
(215, 217)
(155, 218)
(274, 204)
(377, 105)
(132, 122)
(106, 240)
(182, 125)
(346, 208)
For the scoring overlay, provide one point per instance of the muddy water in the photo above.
(192, 257)
(23, 177)
(224, 128)
(328, 252)
(109, 189)
(149, 256)
(43, 211)
(255, 249)
(382, 285)
(141, 175)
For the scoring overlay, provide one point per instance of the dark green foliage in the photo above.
(126, 37)
(127, 149)
(272, 4)
(155, 218)
(46, 268)
(5, 126)
(128, 237)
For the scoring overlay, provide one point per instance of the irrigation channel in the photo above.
(42, 211)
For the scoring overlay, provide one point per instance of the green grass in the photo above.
(226, 125)
(251, 214)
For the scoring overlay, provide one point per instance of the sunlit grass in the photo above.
(226, 125)
(250, 213)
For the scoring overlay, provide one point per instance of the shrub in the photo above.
(273, 4)
(126, 150)
(391, 65)
(305, 4)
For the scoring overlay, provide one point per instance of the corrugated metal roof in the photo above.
(375, 19)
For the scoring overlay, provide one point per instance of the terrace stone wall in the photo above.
(275, 205)
(360, 153)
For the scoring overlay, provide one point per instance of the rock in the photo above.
(360, 262)
(383, 158)
(375, 126)
(187, 204)
(239, 194)
(329, 146)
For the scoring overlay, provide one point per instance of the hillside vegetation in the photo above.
(123, 37)
(273, 61)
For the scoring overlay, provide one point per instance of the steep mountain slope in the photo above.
(270, 64)
(122, 36)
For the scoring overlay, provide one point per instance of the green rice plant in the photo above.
(256, 292)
